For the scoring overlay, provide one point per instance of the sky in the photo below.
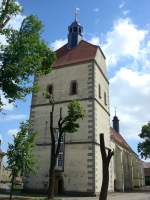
(122, 29)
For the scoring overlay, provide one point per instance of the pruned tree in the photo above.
(106, 154)
(23, 55)
(66, 124)
(20, 157)
(144, 146)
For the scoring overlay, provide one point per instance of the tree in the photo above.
(24, 54)
(20, 158)
(67, 124)
(106, 157)
(144, 147)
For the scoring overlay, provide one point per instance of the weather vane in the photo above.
(115, 110)
(77, 13)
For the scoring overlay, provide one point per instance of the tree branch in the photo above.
(4, 14)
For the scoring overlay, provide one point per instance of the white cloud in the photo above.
(125, 40)
(12, 117)
(125, 12)
(58, 43)
(96, 9)
(130, 92)
(95, 40)
(16, 21)
(12, 132)
(122, 5)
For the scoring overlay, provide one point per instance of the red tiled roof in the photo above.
(146, 164)
(83, 52)
(117, 137)
(1, 153)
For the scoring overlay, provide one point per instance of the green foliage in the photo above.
(144, 147)
(20, 157)
(75, 112)
(24, 55)
(8, 9)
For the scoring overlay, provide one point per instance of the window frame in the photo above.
(105, 98)
(52, 87)
(71, 87)
(99, 91)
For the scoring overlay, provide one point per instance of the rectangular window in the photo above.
(73, 87)
(105, 98)
(99, 91)
(50, 89)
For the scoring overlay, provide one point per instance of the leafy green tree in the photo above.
(66, 124)
(20, 158)
(24, 54)
(144, 147)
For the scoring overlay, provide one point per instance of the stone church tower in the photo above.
(79, 73)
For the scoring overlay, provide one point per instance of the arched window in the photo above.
(50, 89)
(73, 87)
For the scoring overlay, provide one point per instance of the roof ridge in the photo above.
(97, 46)
(120, 135)
(61, 47)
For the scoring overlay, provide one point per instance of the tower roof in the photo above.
(84, 51)
(118, 139)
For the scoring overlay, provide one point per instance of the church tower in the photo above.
(79, 73)
(116, 124)
(75, 34)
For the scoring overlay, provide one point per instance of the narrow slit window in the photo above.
(50, 89)
(99, 91)
(73, 87)
(105, 98)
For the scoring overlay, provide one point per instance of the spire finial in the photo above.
(77, 13)
(115, 110)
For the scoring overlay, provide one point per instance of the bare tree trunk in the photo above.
(54, 152)
(106, 157)
(105, 183)
(52, 158)
(12, 187)
(51, 175)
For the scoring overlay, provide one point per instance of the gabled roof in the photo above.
(83, 52)
(117, 137)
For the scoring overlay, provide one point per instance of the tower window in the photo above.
(105, 98)
(50, 89)
(99, 91)
(79, 30)
(75, 29)
(73, 87)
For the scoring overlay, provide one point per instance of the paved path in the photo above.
(112, 196)
(117, 196)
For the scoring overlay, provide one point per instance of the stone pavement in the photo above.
(117, 196)
(113, 196)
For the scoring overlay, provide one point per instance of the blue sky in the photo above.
(122, 29)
